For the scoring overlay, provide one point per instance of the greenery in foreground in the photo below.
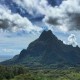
(23, 73)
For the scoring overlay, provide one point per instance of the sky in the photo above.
(22, 21)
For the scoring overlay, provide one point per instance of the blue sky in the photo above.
(22, 21)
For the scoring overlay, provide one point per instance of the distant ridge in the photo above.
(47, 51)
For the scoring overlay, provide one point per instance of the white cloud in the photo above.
(6, 50)
(34, 8)
(67, 15)
(14, 22)
(72, 40)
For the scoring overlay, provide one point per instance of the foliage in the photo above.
(8, 72)
(23, 73)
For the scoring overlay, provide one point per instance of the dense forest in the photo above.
(24, 73)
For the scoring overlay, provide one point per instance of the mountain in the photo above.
(47, 51)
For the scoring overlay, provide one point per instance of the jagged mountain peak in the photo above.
(45, 51)
(47, 35)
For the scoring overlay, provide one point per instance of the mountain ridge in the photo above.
(47, 51)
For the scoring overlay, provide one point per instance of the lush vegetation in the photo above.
(23, 73)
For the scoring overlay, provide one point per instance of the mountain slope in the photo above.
(47, 51)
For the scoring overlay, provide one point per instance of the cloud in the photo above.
(10, 50)
(4, 24)
(52, 21)
(71, 40)
(34, 8)
(14, 22)
(67, 15)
